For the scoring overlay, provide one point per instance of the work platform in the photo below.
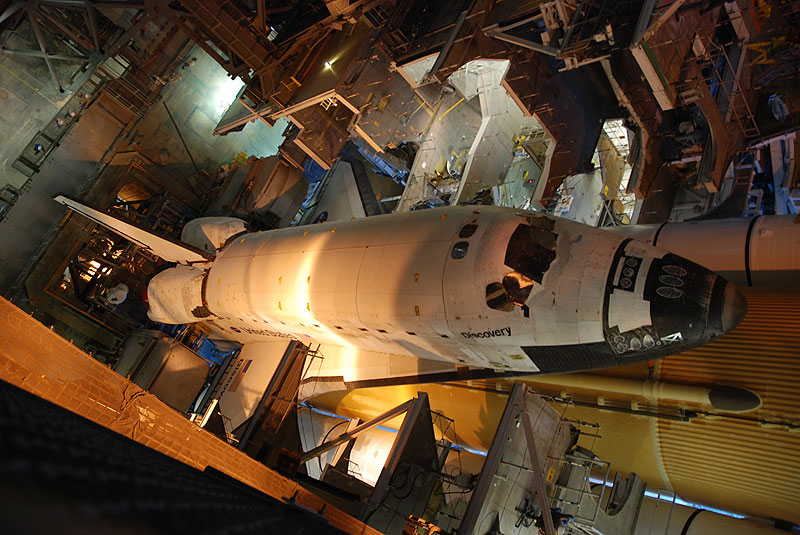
(38, 361)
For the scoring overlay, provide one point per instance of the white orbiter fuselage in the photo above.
(476, 286)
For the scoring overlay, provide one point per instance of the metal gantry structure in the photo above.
(72, 31)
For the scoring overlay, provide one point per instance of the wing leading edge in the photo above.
(166, 249)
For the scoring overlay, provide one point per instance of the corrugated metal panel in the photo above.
(761, 354)
(742, 465)
(734, 465)
(747, 466)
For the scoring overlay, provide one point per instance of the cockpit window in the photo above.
(459, 250)
(467, 230)
(532, 249)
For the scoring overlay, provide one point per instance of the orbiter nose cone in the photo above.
(734, 307)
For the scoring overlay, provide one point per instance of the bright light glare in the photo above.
(226, 93)
(303, 310)
(328, 65)
(454, 447)
(94, 265)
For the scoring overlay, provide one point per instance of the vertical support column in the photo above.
(516, 408)
(493, 457)
(541, 492)
(91, 19)
(417, 406)
(40, 38)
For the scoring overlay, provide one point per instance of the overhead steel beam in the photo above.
(536, 470)
(40, 38)
(571, 28)
(522, 22)
(258, 112)
(37, 54)
(447, 44)
(346, 437)
(494, 31)
(198, 39)
(125, 4)
(337, 455)
(663, 17)
(72, 33)
(180, 135)
(262, 21)
(281, 9)
(91, 23)
(92, 63)
(11, 20)
(10, 10)
(125, 38)
(644, 18)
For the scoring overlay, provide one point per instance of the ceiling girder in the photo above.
(62, 24)
(40, 38)
(39, 54)
(91, 22)
(11, 10)
(123, 4)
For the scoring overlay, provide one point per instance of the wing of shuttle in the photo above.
(347, 368)
(335, 368)
(164, 248)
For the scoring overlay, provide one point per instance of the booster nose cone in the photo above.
(734, 308)
(733, 398)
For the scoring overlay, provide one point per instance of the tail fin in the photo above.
(164, 248)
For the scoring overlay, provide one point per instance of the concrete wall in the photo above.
(65, 172)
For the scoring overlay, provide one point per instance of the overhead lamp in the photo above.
(328, 65)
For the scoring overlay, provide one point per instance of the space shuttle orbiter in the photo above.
(439, 294)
